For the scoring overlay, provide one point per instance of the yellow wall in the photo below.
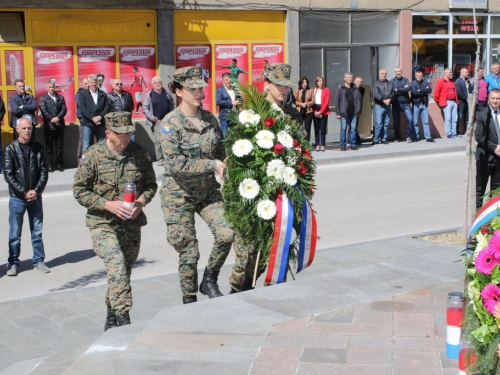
(52, 27)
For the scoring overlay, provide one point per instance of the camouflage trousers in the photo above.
(244, 263)
(118, 247)
(181, 234)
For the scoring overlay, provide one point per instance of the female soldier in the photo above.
(191, 140)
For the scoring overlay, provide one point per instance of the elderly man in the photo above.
(53, 108)
(420, 90)
(225, 98)
(383, 95)
(93, 106)
(25, 171)
(157, 103)
(348, 108)
(22, 105)
(445, 95)
(119, 99)
(463, 88)
(401, 104)
(493, 79)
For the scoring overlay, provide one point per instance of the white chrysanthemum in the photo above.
(276, 108)
(285, 139)
(242, 147)
(266, 209)
(265, 139)
(249, 117)
(289, 176)
(249, 188)
(275, 168)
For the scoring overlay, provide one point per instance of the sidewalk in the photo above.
(64, 181)
(352, 299)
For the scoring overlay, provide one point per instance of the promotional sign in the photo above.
(55, 64)
(14, 66)
(197, 55)
(272, 53)
(224, 54)
(137, 69)
(95, 60)
(469, 4)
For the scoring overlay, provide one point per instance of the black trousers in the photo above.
(320, 125)
(307, 120)
(52, 137)
(484, 171)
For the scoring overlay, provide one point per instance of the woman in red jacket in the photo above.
(321, 112)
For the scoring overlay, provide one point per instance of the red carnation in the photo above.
(485, 229)
(302, 170)
(295, 143)
(278, 148)
(269, 121)
(307, 154)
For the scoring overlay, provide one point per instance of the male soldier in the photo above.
(99, 186)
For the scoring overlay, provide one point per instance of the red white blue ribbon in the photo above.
(485, 214)
(308, 236)
(283, 227)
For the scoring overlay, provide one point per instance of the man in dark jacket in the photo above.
(420, 90)
(2, 114)
(26, 174)
(487, 134)
(93, 106)
(463, 89)
(53, 108)
(383, 96)
(84, 85)
(120, 100)
(401, 104)
(348, 108)
(22, 105)
(225, 98)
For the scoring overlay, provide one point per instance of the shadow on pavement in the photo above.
(72, 257)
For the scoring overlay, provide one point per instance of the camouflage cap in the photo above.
(279, 74)
(190, 77)
(120, 122)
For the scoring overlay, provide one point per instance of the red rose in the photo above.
(485, 229)
(269, 121)
(278, 148)
(295, 143)
(302, 170)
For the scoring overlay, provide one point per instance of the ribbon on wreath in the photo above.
(485, 214)
(283, 227)
(308, 236)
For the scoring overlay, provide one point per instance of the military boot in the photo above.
(233, 291)
(110, 321)
(209, 285)
(247, 284)
(123, 319)
(189, 299)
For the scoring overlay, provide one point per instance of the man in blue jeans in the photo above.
(420, 90)
(348, 108)
(401, 104)
(383, 96)
(26, 173)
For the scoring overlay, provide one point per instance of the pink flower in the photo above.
(495, 244)
(491, 297)
(278, 148)
(486, 260)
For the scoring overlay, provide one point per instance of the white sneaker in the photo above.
(40, 266)
(12, 271)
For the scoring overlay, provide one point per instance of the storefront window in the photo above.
(431, 57)
(495, 25)
(324, 27)
(464, 25)
(464, 55)
(495, 51)
(375, 28)
(311, 64)
(430, 24)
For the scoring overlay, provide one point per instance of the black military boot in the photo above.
(234, 291)
(123, 319)
(209, 285)
(189, 299)
(110, 321)
(247, 284)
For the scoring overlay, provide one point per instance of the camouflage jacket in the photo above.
(103, 175)
(189, 152)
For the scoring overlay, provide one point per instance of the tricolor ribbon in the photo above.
(283, 226)
(308, 236)
(485, 214)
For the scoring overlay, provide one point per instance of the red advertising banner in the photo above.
(95, 60)
(137, 81)
(56, 64)
(197, 55)
(224, 54)
(272, 53)
(14, 66)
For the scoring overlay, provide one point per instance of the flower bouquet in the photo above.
(482, 292)
(269, 181)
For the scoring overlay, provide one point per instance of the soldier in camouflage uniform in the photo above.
(105, 170)
(191, 140)
(277, 84)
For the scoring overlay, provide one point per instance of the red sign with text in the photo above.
(55, 64)
(14, 66)
(137, 81)
(197, 55)
(95, 60)
(273, 53)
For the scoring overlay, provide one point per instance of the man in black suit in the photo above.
(93, 106)
(487, 135)
(53, 108)
(225, 98)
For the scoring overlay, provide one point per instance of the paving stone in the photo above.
(307, 341)
(368, 313)
(414, 324)
(419, 343)
(324, 355)
(342, 369)
(447, 362)
(335, 317)
(33, 321)
(345, 329)
(370, 356)
(362, 341)
(293, 326)
(279, 361)
(416, 363)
